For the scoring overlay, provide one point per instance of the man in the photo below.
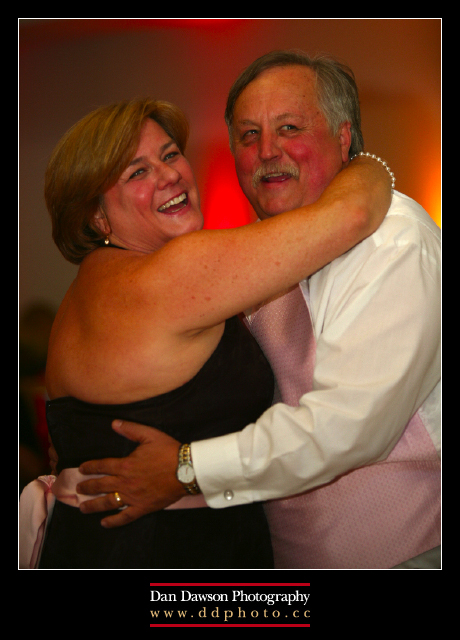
(358, 436)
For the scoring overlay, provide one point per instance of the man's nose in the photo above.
(269, 148)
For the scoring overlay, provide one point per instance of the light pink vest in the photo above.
(374, 517)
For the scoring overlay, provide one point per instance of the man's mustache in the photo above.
(267, 170)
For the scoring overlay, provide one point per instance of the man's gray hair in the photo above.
(336, 89)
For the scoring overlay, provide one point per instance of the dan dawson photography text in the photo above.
(235, 596)
(229, 606)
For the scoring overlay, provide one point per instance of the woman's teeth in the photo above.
(172, 202)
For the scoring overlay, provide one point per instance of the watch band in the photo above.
(185, 460)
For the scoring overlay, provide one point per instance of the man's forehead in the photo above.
(280, 76)
(285, 90)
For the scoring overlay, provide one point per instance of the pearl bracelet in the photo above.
(371, 155)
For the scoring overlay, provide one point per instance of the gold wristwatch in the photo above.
(185, 472)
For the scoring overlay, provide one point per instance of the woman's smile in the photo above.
(175, 204)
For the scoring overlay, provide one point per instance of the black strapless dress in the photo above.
(231, 390)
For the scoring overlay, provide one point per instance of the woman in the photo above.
(143, 332)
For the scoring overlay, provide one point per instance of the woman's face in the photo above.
(156, 197)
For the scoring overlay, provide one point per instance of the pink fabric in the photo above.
(65, 487)
(64, 490)
(189, 502)
(283, 330)
(370, 518)
(36, 507)
(36, 502)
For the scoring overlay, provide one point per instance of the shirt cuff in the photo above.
(219, 472)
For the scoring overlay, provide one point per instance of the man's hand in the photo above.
(145, 480)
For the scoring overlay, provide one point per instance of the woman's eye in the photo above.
(136, 173)
(170, 155)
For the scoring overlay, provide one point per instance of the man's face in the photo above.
(285, 154)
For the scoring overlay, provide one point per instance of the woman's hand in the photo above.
(366, 185)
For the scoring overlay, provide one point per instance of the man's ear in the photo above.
(345, 140)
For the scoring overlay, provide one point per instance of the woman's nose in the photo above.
(167, 175)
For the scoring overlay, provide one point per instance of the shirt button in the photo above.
(228, 495)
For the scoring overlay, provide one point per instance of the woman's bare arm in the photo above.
(207, 276)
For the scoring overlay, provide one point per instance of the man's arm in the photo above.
(376, 314)
(378, 328)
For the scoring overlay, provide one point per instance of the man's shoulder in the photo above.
(406, 221)
(407, 230)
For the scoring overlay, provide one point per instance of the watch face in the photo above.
(185, 473)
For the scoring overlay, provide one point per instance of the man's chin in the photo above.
(273, 209)
(264, 215)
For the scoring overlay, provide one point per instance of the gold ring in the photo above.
(118, 499)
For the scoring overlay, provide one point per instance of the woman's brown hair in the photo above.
(90, 158)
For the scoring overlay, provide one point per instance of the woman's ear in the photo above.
(100, 221)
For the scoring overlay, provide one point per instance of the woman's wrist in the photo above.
(374, 157)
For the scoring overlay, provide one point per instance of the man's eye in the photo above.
(249, 133)
(289, 127)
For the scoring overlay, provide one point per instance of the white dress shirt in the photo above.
(376, 320)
